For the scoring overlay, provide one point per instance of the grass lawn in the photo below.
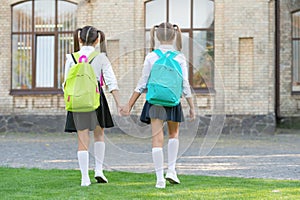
(65, 184)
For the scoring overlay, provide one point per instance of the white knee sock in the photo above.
(99, 150)
(173, 146)
(158, 160)
(83, 159)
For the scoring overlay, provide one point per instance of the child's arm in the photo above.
(116, 96)
(141, 86)
(191, 105)
(133, 99)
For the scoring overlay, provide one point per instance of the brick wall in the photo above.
(244, 37)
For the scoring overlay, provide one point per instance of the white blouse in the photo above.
(150, 60)
(100, 63)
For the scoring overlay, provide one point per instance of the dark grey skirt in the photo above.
(164, 113)
(89, 120)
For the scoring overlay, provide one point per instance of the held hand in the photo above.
(125, 110)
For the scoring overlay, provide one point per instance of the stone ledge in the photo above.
(234, 124)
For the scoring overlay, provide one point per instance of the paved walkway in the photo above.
(262, 156)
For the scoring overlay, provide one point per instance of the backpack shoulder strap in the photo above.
(172, 54)
(158, 52)
(92, 56)
(75, 57)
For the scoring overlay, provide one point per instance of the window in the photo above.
(196, 20)
(296, 50)
(42, 34)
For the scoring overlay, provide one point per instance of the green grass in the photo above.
(65, 184)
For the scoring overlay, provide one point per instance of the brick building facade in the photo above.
(252, 73)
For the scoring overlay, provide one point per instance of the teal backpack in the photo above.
(81, 90)
(165, 81)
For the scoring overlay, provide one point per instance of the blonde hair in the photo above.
(88, 35)
(166, 32)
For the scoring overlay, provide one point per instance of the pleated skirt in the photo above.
(164, 113)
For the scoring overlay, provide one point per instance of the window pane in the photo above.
(180, 12)
(66, 16)
(155, 13)
(44, 15)
(203, 13)
(65, 45)
(203, 55)
(296, 25)
(45, 61)
(185, 46)
(296, 65)
(21, 62)
(22, 17)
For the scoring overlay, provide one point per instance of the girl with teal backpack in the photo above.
(164, 90)
(82, 120)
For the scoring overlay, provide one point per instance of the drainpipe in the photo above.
(277, 60)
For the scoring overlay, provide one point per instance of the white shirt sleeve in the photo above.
(69, 63)
(186, 85)
(108, 73)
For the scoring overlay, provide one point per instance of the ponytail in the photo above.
(178, 37)
(102, 41)
(152, 38)
(76, 39)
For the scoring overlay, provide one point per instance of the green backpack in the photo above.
(81, 90)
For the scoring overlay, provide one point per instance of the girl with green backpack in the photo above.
(100, 118)
(158, 107)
